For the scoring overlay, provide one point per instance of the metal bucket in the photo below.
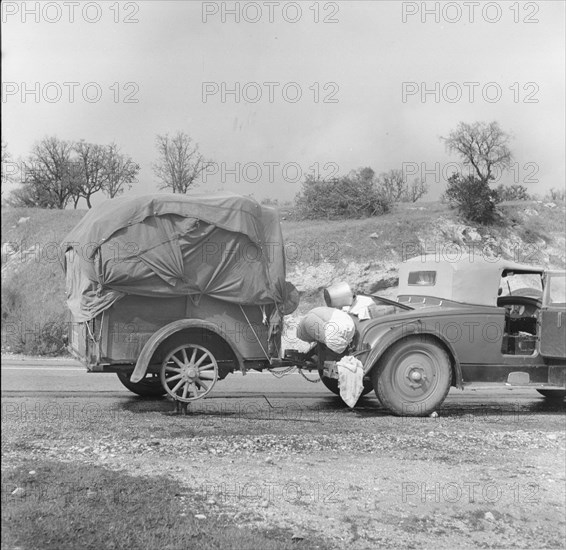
(338, 295)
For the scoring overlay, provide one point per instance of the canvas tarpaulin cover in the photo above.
(223, 246)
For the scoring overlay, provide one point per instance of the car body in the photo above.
(461, 322)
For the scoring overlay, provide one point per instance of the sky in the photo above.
(273, 91)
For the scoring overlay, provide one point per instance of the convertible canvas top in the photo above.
(470, 280)
(223, 246)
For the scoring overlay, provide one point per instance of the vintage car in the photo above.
(173, 292)
(455, 323)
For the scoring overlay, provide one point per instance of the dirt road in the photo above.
(489, 471)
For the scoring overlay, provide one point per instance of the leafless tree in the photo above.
(8, 165)
(396, 188)
(121, 171)
(7, 175)
(482, 146)
(49, 181)
(179, 163)
(392, 183)
(416, 189)
(90, 164)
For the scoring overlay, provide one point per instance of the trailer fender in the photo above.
(385, 341)
(168, 330)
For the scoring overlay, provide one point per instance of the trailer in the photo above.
(174, 292)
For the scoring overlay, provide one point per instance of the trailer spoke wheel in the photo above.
(189, 372)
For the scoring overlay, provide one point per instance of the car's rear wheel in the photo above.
(189, 372)
(413, 377)
(332, 384)
(150, 386)
(553, 394)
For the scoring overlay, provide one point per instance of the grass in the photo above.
(68, 506)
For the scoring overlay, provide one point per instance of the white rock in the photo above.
(488, 516)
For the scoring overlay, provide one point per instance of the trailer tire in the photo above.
(553, 394)
(150, 386)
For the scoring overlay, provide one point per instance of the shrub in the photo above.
(267, 201)
(473, 197)
(556, 195)
(352, 196)
(513, 193)
(34, 317)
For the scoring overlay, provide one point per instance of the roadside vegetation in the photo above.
(360, 194)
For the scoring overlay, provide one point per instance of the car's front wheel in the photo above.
(413, 377)
(553, 394)
(332, 384)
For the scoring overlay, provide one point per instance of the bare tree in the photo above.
(121, 171)
(396, 188)
(179, 164)
(49, 181)
(392, 183)
(482, 146)
(7, 175)
(9, 168)
(416, 189)
(90, 164)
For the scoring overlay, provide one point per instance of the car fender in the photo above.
(168, 330)
(383, 340)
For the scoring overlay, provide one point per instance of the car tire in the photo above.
(413, 377)
(553, 394)
(332, 384)
(150, 386)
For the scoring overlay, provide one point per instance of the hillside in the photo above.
(366, 253)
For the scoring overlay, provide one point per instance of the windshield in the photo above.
(521, 284)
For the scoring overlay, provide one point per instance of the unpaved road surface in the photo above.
(488, 472)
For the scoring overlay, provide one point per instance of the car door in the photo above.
(553, 316)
